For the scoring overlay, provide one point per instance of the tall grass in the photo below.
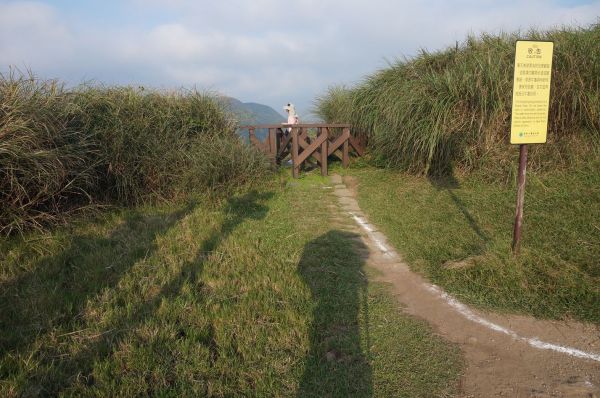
(61, 149)
(451, 108)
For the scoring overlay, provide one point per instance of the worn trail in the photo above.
(506, 355)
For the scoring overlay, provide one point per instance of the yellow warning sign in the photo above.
(531, 92)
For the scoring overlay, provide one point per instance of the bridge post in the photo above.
(272, 144)
(324, 151)
(295, 165)
(251, 135)
(278, 142)
(345, 155)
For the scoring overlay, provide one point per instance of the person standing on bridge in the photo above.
(292, 116)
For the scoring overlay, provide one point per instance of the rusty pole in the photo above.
(520, 199)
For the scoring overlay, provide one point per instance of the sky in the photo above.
(264, 51)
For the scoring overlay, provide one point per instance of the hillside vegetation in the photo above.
(62, 150)
(448, 110)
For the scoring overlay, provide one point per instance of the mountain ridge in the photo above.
(253, 112)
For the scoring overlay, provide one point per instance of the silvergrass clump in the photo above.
(62, 150)
(451, 109)
(152, 143)
(46, 165)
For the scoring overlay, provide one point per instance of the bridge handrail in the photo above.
(304, 147)
(299, 125)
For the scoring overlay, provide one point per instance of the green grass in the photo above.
(458, 232)
(243, 298)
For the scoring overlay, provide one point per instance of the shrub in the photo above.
(45, 164)
(61, 150)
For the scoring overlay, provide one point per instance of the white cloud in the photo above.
(262, 50)
(31, 34)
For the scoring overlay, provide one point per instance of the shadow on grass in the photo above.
(58, 373)
(56, 291)
(449, 183)
(338, 364)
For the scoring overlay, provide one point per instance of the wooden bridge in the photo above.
(306, 143)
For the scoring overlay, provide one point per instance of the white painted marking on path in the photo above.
(467, 313)
(367, 227)
(534, 342)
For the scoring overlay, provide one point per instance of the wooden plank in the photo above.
(339, 141)
(302, 142)
(321, 131)
(262, 146)
(312, 147)
(285, 141)
(303, 133)
(252, 137)
(284, 155)
(324, 151)
(272, 144)
(356, 145)
(295, 160)
(278, 138)
(345, 155)
(304, 145)
(268, 141)
(278, 144)
(338, 154)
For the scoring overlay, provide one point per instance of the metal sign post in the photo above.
(530, 106)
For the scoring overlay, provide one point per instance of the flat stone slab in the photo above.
(336, 179)
(349, 204)
(351, 208)
(342, 192)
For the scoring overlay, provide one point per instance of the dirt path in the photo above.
(506, 355)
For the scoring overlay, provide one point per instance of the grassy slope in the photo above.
(244, 299)
(459, 232)
(451, 109)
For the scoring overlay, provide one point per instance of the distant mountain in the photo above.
(253, 113)
(249, 113)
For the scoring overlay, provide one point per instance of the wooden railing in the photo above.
(306, 143)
